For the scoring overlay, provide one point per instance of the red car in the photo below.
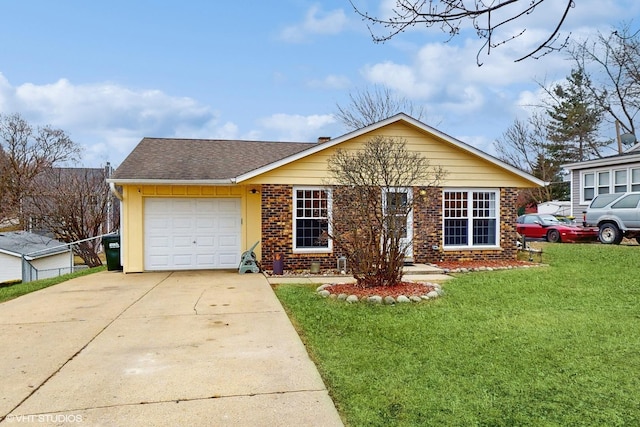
(547, 226)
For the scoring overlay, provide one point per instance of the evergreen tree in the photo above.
(574, 120)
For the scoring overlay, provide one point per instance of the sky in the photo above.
(110, 73)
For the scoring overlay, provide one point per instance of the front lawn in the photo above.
(551, 346)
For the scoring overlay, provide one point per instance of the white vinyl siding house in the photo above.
(614, 174)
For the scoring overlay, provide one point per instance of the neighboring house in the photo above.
(198, 204)
(46, 257)
(612, 174)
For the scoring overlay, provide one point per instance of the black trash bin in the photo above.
(112, 251)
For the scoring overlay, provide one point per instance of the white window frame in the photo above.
(612, 172)
(617, 184)
(607, 182)
(469, 217)
(583, 186)
(314, 250)
(633, 183)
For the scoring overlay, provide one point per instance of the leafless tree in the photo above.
(371, 201)
(368, 106)
(525, 146)
(74, 204)
(26, 153)
(488, 19)
(613, 63)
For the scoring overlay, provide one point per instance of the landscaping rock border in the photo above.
(434, 291)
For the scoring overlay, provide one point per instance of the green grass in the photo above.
(551, 346)
(14, 291)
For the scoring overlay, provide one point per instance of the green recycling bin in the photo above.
(112, 251)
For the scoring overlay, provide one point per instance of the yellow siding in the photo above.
(133, 215)
(463, 168)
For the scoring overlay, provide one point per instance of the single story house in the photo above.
(613, 174)
(45, 257)
(198, 204)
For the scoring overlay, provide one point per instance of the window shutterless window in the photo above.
(311, 220)
(470, 218)
(603, 183)
(635, 179)
(620, 181)
(588, 186)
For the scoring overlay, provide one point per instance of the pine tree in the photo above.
(574, 120)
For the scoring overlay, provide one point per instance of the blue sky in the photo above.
(111, 73)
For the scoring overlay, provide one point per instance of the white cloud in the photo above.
(293, 127)
(316, 22)
(109, 119)
(331, 81)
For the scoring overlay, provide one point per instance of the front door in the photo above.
(397, 205)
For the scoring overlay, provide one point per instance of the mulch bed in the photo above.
(418, 289)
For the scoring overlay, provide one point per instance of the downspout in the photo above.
(114, 190)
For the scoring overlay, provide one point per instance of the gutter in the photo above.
(225, 181)
(114, 190)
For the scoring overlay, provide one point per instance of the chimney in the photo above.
(322, 139)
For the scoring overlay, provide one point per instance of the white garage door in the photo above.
(185, 234)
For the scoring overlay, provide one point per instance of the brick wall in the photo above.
(428, 230)
(277, 230)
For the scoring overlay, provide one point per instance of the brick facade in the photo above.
(277, 230)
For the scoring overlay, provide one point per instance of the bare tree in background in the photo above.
(368, 106)
(488, 19)
(371, 200)
(74, 204)
(25, 153)
(613, 64)
(525, 146)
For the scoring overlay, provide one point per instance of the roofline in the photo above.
(624, 158)
(28, 257)
(396, 118)
(8, 252)
(225, 181)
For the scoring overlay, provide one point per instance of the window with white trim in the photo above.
(620, 181)
(588, 186)
(635, 179)
(311, 219)
(603, 182)
(470, 218)
(607, 181)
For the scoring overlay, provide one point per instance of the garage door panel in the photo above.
(228, 241)
(206, 242)
(227, 206)
(228, 261)
(192, 233)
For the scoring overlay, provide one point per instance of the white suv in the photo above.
(616, 216)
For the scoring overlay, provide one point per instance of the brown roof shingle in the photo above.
(201, 159)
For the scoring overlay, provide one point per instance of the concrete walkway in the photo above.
(185, 348)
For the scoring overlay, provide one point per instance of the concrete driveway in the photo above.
(177, 348)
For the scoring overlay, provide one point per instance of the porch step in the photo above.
(421, 269)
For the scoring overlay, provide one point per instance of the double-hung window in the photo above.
(470, 218)
(311, 219)
(588, 186)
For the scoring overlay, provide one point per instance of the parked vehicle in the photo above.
(552, 229)
(616, 215)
